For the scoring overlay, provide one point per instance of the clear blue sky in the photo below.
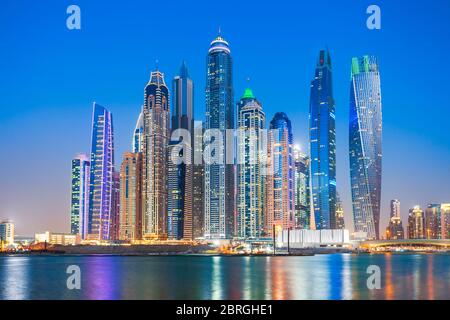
(50, 76)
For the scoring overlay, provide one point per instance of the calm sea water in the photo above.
(336, 276)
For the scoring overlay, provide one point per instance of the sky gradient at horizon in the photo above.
(52, 75)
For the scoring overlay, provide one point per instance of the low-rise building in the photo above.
(57, 238)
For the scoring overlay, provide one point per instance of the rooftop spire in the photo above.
(248, 94)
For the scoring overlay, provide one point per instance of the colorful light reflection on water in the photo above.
(337, 276)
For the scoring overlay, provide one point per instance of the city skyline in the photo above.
(63, 204)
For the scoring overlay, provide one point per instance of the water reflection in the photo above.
(15, 278)
(339, 276)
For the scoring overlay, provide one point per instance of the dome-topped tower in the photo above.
(219, 44)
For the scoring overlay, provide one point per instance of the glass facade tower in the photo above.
(250, 181)
(80, 195)
(322, 137)
(365, 127)
(219, 191)
(181, 175)
(155, 157)
(280, 200)
(302, 190)
(101, 174)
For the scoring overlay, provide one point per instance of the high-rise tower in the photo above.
(250, 180)
(79, 208)
(302, 190)
(280, 202)
(365, 145)
(322, 137)
(101, 174)
(131, 197)
(155, 157)
(181, 175)
(219, 167)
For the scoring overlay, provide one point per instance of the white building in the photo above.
(6, 233)
(304, 238)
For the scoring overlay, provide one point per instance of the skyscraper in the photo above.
(394, 230)
(322, 137)
(280, 178)
(445, 221)
(155, 157)
(138, 134)
(131, 197)
(198, 195)
(302, 190)
(79, 206)
(101, 175)
(114, 229)
(181, 175)
(416, 223)
(250, 180)
(433, 221)
(219, 169)
(340, 221)
(365, 145)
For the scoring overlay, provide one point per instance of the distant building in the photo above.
(6, 233)
(79, 206)
(57, 238)
(433, 221)
(340, 222)
(365, 127)
(101, 178)
(416, 223)
(394, 230)
(302, 190)
(138, 135)
(131, 197)
(445, 220)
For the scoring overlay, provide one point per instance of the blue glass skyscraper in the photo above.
(181, 175)
(101, 175)
(138, 134)
(365, 145)
(80, 195)
(219, 176)
(79, 208)
(322, 137)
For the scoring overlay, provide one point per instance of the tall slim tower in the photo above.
(394, 230)
(219, 176)
(181, 175)
(302, 190)
(365, 145)
(131, 197)
(250, 181)
(80, 195)
(114, 228)
(155, 156)
(101, 175)
(280, 202)
(322, 137)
